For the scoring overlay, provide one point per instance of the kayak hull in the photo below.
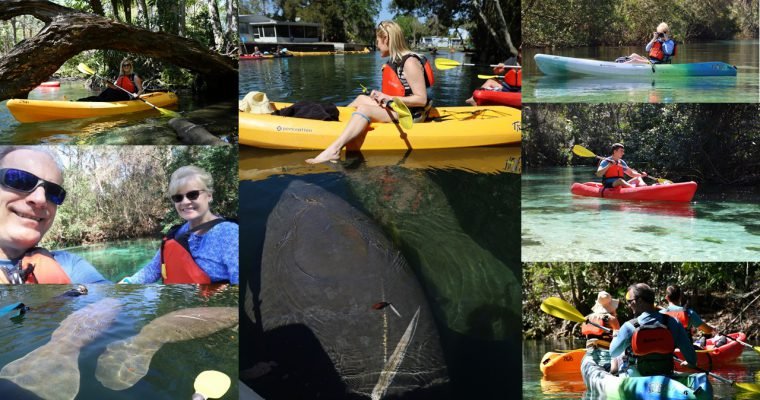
(50, 84)
(563, 66)
(679, 192)
(44, 110)
(263, 57)
(448, 127)
(679, 387)
(713, 357)
(554, 364)
(484, 97)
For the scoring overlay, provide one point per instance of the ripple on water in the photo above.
(753, 229)
(653, 229)
(753, 248)
(712, 240)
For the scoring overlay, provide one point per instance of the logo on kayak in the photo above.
(281, 128)
(567, 358)
(516, 126)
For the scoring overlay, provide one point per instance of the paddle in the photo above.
(750, 387)
(12, 307)
(445, 63)
(404, 115)
(756, 348)
(87, 70)
(584, 152)
(211, 385)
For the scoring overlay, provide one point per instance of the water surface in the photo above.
(119, 259)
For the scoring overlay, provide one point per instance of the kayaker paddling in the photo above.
(686, 316)
(511, 80)
(613, 169)
(659, 50)
(128, 80)
(406, 76)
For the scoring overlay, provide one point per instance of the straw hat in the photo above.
(255, 103)
(605, 303)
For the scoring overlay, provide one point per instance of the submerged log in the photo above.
(189, 133)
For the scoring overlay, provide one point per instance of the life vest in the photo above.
(614, 171)
(680, 316)
(513, 78)
(394, 81)
(605, 320)
(657, 51)
(41, 268)
(127, 82)
(652, 348)
(177, 263)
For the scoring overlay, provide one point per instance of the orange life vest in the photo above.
(652, 339)
(395, 85)
(177, 264)
(43, 269)
(127, 82)
(513, 78)
(657, 51)
(605, 320)
(614, 171)
(680, 316)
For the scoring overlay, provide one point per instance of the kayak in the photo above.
(50, 84)
(677, 387)
(562, 363)
(46, 110)
(485, 97)
(558, 65)
(263, 57)
(683, 191)
(712, 357)
(447, 127)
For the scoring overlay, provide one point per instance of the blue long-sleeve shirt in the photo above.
(77, 268)
(215, 251)
(623, 340)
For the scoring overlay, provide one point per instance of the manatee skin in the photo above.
(127, 361)
(324, 266)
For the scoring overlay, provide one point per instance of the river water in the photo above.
(117, 260)
(744, 88)
(720, 224)
(535, 386)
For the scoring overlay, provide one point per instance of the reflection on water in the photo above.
(448, 215)
(172, 369)
(744, 88)
(719, 225)
(117, 260)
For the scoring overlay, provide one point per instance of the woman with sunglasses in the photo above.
(30, 193)
(406, 75)
(128, 85)
(202, 250)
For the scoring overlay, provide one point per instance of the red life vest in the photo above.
(177, 264)
(395, 84)
(657, 51)
(614, 171)
(127, 82)
(652, 339)
(680, 316)
(44, 269)
(605, 320)
(513, 78)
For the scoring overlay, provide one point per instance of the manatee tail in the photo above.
(124, 363)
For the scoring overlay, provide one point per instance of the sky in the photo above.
(384, 13)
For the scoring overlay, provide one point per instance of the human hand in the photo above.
(655, 35)
(644, 174)
(499, 69)
(380, 97)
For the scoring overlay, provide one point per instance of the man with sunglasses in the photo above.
(30, 193)
(651, 337)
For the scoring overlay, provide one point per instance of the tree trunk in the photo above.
(34, 60)
(232, 25)
(115, 8)
(127, 11)
(216, 24)
(97, 7)
(181, 18)
(13, 28)
(142, 12)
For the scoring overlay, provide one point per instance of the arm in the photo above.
(622, 340)
(682, 340)
(416, 79)
(696, 321)
(667, 46)
(78, 269)
(603, 167)
(232, 258)
(150, 273)
(140, 87)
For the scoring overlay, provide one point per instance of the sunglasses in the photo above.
(27, 182)
(191, 195)
(126, 65)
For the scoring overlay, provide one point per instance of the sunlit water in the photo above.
(744, 88)
(338, 79)
(414, 198)
(721, 224)
(535, 386)
(148, 127)
(173, 368)
(116, 260)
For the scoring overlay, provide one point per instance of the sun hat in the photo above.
(255, 103)
(605, 303)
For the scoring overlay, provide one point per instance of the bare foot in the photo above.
(471, 102)
(327, 155)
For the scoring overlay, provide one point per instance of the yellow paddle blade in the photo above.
(559, 308)
(85, 69)
(750, 387)
(445, 63)
(582, 151)
(404, 115)
(212, 384)
(488, 76)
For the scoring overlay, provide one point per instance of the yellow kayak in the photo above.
(47, 110)
(447, 127)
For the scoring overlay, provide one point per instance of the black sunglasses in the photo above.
(27, 182)
(191, 195)
(126, 65)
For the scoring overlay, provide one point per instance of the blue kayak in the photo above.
(561, 66)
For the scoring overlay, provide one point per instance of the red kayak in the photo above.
(485, 97)
(683, 191)
(716, 356)
(50, 84)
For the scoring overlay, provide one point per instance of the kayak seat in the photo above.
(425, 113)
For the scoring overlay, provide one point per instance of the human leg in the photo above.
(356, 126)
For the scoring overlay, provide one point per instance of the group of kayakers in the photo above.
(202, 250)
(645, 345)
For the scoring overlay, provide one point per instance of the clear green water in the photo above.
(472, 212)
(721, 224)
(116, 260)
(535, 386)
(744, 88)
(337, 79)
(173, 368)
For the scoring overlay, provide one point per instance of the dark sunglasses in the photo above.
(27, 182)
(191, 195)
(126, 65)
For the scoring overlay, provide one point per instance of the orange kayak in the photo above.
(562, 363)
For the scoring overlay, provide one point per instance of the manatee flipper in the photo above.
(52, 370)
(126, 361)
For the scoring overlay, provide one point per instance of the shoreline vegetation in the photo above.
(569, 23)
(725, 295)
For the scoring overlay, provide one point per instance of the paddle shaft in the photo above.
(743, 343)
(493, 65)
(647, 176)
(128, 92)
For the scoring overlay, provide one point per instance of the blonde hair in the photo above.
(189, 172)
(663, 27)
(397, 46)
(121, 65)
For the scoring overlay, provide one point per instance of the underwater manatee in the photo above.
(126, 361)
(343, 315)
(52, 370)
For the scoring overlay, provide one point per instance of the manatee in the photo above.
(341, 312)
(52, 371)
(126, 361)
